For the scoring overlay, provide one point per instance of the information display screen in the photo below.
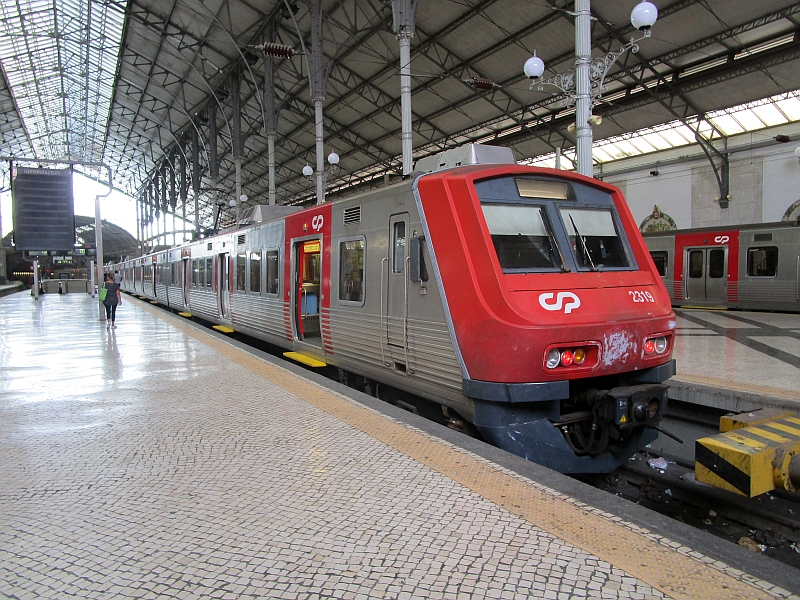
(44, 213)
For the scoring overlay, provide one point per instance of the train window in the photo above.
(521, 237)
(201, 273)
(273, 275)
(209, 272)
(716, 264)
(255, 272)
(241, 272)
(762, 262)
(595, 241)
(351, 271)
(661, 260)
(695, 264)
(399, 256)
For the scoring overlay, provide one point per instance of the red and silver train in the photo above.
(754, 267)
(522, 300)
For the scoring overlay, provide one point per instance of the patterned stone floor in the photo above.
(143, 463)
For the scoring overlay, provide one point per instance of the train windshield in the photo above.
(522, 237)
(594, 239)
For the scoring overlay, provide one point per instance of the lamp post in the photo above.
(583, 85)
(333, 162)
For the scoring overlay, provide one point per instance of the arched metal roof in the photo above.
(132, 104)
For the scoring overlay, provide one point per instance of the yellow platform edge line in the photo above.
(185, 314)
(223, 328)
(306, 360)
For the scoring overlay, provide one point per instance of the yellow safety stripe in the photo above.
(785, 428)
(767, 434)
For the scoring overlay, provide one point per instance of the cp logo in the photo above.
(722, 239)
(317, 222)
(572, 301)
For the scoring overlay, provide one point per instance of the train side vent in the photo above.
(240, 239)
(352, 215)
(762, 237)
(210, 245)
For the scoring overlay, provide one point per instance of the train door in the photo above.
(397, 285)
(223, 285)
(706, 270)
(306, 281)
(186, 279)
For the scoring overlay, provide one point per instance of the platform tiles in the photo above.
(742, 353)
(160, 461)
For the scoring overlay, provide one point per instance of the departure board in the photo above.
(44, 214)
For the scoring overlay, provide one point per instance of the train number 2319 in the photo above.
(641, 296)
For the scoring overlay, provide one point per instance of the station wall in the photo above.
(764, 185)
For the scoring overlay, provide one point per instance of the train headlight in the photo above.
(567, 358)
(660, 345)
(649, 347)
(553, 358)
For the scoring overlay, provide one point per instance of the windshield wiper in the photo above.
(583, 243)
(564, 267)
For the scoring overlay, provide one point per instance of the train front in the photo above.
(562, 324)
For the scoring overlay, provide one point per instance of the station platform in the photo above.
(737, 360)
(163, 460)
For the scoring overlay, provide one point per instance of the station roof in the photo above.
(126, 81)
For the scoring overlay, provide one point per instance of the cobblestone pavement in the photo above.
(141, 463)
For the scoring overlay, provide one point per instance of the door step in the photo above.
(306, 360)
(223, 328)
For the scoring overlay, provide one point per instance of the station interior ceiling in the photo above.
(129, 82)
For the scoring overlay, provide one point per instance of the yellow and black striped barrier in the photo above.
(756, 452)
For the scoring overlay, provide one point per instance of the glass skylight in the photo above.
(60, 59)
(776, 110)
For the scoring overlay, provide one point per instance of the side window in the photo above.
(399, 255)
(273, 275)
(762, 262)
(661, 259)
(200, 270)
(209, 279)
(716, 264)
(351, 271)
(241, 271)
(696, 264)
(255, 272)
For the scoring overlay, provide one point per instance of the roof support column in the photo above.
(196, 181)
(583, 87)
(404, 14)
(236, 118)
(213, 167)
(270, 114)
(318, 79)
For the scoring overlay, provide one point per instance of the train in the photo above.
(748, 267)
(521, 300)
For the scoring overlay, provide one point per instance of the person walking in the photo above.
(112, 300)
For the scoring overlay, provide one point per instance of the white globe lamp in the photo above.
(644, 15)
(308, 171)
(333, 158)
(534, 67)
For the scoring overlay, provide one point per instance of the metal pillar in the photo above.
(320, 150)
(270, 117)
(403, 13)
(91, 278)
(35, 288)
(236, 121)
(213, 166)
(196, 180)
(583, 107)
(98, 228)
(317, 80)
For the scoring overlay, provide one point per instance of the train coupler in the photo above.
(757, 452)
